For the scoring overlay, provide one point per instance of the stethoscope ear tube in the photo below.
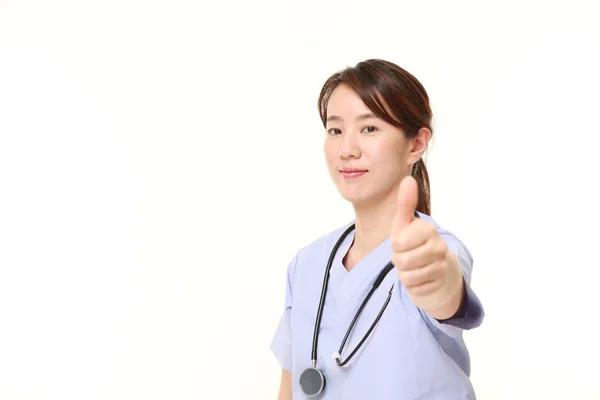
(315, 342)
(366, 335)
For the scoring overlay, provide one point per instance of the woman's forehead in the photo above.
(346, 104)
(345, 101)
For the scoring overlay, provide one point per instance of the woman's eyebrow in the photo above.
(359, 118)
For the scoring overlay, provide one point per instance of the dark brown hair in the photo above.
(379, 84)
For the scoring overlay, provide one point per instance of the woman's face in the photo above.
(366, 157)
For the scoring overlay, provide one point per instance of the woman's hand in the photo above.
(428, 270)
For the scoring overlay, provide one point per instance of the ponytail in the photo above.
(419, 172)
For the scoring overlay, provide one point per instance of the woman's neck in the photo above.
(373, 226)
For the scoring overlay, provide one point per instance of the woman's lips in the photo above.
(352, 173)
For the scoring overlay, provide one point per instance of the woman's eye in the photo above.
(369, 129)
(334, 131)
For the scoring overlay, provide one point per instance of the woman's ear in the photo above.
(419, 144)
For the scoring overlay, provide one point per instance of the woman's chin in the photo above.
(356, 198)
(363, 197)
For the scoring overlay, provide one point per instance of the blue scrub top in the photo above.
(408, 356)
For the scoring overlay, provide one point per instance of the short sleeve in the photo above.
(281, 345)
(473, 314)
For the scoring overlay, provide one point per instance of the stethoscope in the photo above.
(312, 381)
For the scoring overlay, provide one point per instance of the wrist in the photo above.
(462, 297)
(451, 297)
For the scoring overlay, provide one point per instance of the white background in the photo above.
(161, 162)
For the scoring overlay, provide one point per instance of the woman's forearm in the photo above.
(285, 387)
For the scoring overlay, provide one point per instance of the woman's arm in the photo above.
(285, 387)
(282, 345)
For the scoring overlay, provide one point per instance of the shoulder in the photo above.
(453, 241)
(431, 220)
(317, 250)
(323, 243)
(312, 254)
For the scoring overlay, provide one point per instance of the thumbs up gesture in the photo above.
(428, 270)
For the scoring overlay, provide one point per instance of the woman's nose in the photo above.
(349, 146)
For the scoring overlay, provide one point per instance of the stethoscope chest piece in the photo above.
(312, 382)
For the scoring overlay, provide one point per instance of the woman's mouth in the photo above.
(351, 173)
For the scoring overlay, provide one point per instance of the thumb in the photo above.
(408, 198)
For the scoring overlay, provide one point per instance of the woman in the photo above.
(376, 308)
